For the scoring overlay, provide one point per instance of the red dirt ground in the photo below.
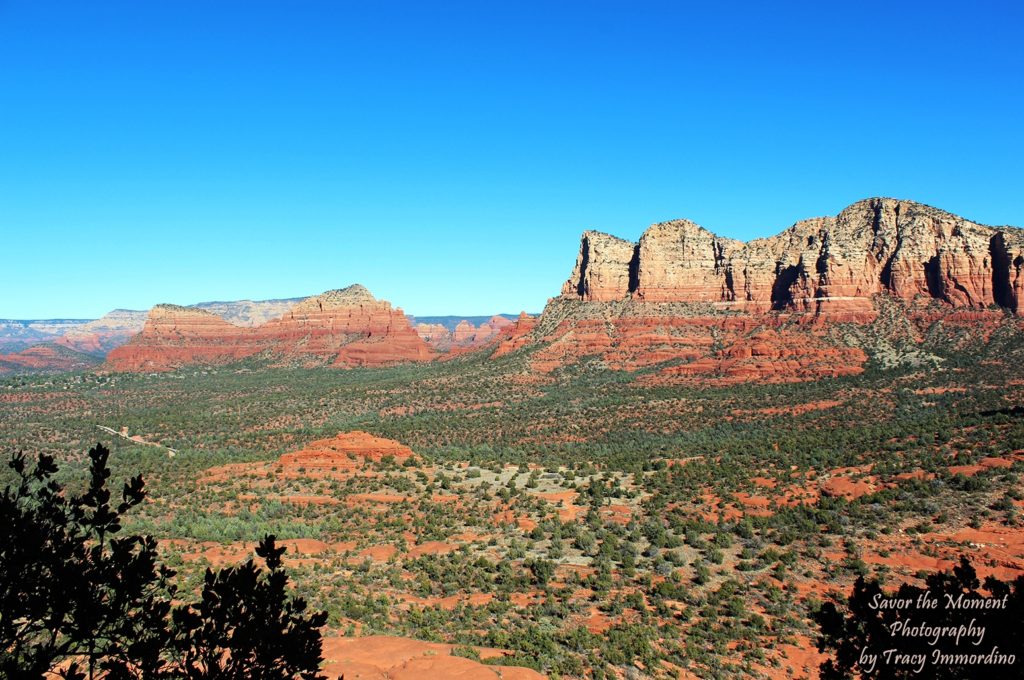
(380, 657)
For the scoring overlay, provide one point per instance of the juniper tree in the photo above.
(79, 600)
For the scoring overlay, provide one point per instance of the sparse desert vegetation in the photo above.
(584, 523)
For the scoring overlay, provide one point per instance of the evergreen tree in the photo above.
(80, 601)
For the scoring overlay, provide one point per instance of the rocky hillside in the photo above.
(45, 358)
(704, 308)
(341, 328)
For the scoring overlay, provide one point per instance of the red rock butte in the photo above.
(342, 328)
(824, 264)
(729, 311)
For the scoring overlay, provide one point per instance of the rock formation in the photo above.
(343, 328)
(465, 335)
(605, 268)
(434, 334)
(823, 265)
(46, 357)
(176, 336)
(344, 452)
(710, 308)
(111, 330)
(681, 304)
(249, 312)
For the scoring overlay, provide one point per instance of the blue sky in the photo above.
(447, 155)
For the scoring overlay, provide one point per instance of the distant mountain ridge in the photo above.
(454, 334)
(681, 298)
(17, 334)
(451, 321)
(97, 337)
(47, 356)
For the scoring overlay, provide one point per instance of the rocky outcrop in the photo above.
(343, 328)
(605, 268)
(465, 335)
(518, 335)
(344, 452)
(434, 334)
(349, 325)
(686, 305)
(828, 265)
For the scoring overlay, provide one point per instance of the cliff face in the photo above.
(342, 328)
(822, 265)
(680, 261)
(708, 308)
(604, 268)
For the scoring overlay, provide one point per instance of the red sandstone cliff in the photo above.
(824, 265)
(710, 308)
(343, 328)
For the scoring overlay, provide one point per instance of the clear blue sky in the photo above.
(447, 155)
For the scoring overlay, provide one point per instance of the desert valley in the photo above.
(663, 473)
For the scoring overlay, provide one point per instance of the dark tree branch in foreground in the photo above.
(80, 601)
(912, 632)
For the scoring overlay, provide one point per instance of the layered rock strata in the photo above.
(822, 265)
(699, 307)
(343, 328)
